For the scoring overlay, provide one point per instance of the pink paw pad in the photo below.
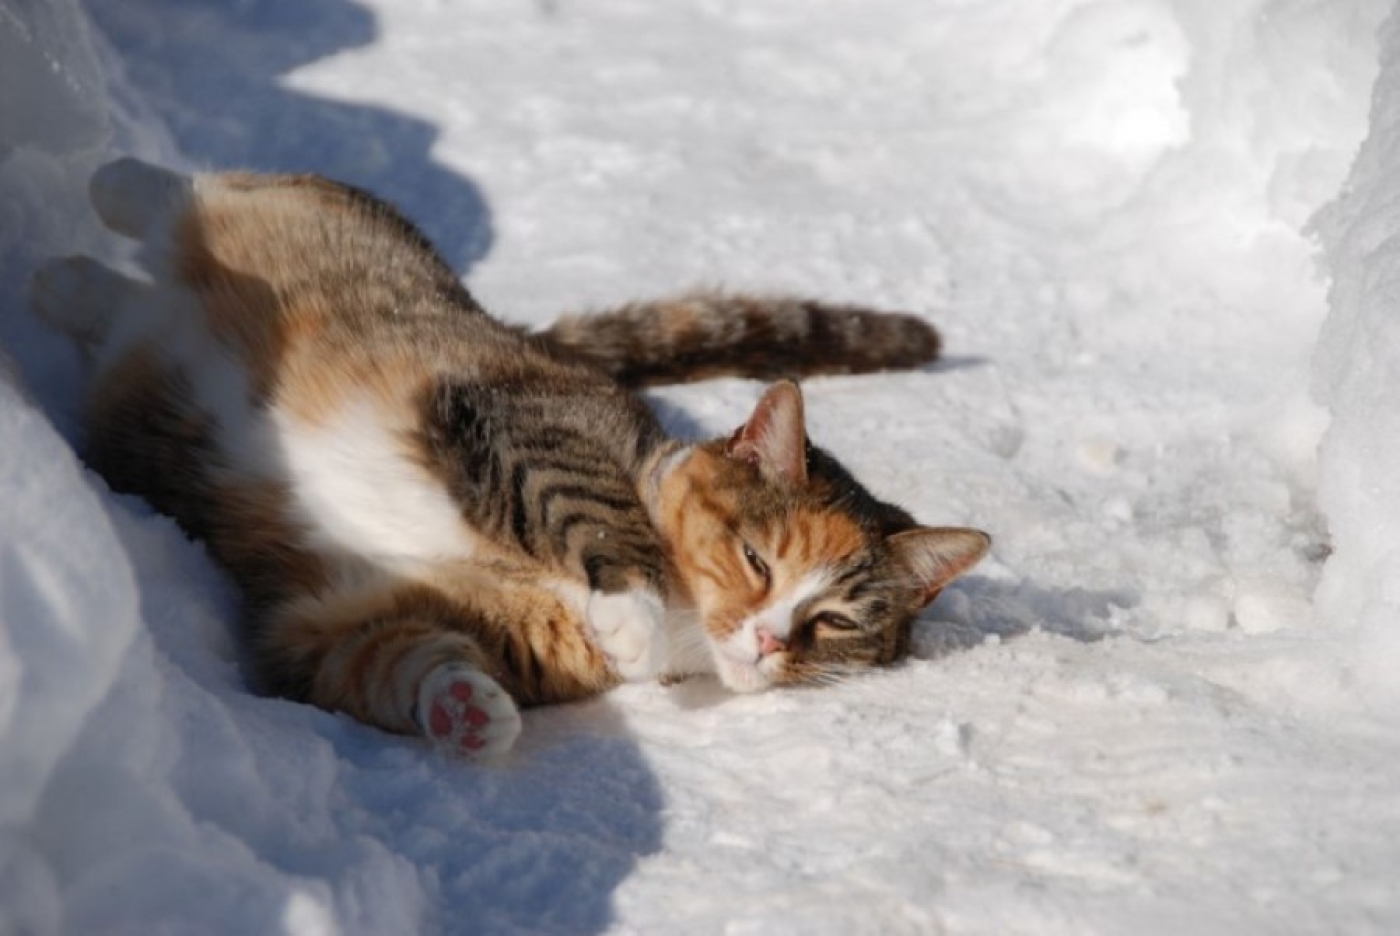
(455, 720)
(468, 712)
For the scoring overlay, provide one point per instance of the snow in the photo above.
(1166, 703)
(1357, 377)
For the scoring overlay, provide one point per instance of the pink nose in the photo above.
(767, 643)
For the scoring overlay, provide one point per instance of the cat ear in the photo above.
(937, 555)
(775, 436)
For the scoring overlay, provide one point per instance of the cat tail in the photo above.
(713, 334)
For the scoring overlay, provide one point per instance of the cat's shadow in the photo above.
(976, 608)
(214, 73)
(955, 362)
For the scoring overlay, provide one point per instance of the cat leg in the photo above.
(390, 662)
(626, 610)
(132, 196)
(624, 565)
(548, 481)
(452, 702)
(80, 297)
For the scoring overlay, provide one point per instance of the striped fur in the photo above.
(715, 334)
(434, 518)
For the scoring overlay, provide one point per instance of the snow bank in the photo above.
(1358, 378)
(96, 832)
(68, 614)
(101, 829)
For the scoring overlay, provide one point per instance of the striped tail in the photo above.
(715, 334)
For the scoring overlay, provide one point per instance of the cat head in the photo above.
(797, 572)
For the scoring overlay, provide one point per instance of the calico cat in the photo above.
(435, 518)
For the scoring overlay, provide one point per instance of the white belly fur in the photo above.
(356, 490)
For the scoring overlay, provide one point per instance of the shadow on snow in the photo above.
(541, 842)
(213, 71)
(975, 608)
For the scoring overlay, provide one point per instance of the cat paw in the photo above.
(630, 628)
(131, 195)
(72, 294)
(463, 710)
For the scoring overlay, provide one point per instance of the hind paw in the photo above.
(131, 196)
(78, 295)
(463, 710)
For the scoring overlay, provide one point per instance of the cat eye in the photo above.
(835, 622)
(757, 564)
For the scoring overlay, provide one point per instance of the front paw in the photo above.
(630, 628)
(465, 711)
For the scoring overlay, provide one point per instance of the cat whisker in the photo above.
(826, 674)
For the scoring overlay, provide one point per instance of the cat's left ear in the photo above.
(775, 436)
(937, 555)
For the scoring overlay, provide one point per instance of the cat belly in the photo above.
(357, 490)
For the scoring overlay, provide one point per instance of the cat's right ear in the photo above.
(775, 436)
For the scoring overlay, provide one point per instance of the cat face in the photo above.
(798, 573)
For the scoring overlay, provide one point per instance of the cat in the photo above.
(435, 518)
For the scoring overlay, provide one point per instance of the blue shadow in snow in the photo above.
(540, 844)
(975, 608)
(211, 70)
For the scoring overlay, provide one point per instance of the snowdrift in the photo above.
(1358, 379)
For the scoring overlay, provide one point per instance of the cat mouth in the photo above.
(752, 675)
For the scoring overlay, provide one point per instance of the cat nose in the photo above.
(767, 643)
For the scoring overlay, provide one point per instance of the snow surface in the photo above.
(1134, 717)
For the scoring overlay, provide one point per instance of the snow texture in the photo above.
(1166, 703)
(1358, 377)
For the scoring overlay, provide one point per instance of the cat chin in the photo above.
(746, 677)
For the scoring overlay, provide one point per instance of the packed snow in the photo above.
(1162, 238)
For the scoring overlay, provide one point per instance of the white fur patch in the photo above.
(630, 627)
(670, 463)
(356, 490)
(170, 320)
(220, 383)
(738, 660)
(651, 492)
